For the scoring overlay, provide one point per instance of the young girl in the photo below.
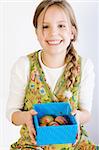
(54, 74)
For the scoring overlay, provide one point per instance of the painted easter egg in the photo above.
(61, 120)
(46, 119)
(53, 123)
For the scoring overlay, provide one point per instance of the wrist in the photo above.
(77, 116)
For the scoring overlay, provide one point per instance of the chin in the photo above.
(56, 52)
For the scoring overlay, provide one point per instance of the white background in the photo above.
(17, 38)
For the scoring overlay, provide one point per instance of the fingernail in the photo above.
(35, 143)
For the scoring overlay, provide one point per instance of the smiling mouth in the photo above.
(54, 42)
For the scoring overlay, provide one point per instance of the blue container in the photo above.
(62, 134)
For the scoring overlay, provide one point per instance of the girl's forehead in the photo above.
(54, 12)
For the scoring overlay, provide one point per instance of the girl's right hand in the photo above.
(27, 116)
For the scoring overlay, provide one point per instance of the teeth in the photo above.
(54, 42)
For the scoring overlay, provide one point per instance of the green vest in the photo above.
(38, 91)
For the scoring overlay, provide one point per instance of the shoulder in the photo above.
(87, 70)
(21, 66)
(24, 61)
(86, 64)
(21, 62)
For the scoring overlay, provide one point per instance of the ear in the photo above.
(73, 33)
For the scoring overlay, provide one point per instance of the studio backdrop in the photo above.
(17, 38)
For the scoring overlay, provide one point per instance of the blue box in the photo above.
(62, 134)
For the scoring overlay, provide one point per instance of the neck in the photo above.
(53, 61)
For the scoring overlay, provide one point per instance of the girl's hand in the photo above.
(76, 114)
(27, 116)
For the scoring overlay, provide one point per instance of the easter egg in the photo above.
(46, 119)
(61, 120)
(53, 123)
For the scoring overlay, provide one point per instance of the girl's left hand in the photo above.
(75, 113)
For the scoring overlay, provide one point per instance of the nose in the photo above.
(53, 31)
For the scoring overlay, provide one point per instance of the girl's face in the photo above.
(54, 32)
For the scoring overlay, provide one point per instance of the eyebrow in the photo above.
(62, 21)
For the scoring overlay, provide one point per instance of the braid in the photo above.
(72, 67)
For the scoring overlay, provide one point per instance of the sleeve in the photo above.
(18, 82)
(87, 84)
